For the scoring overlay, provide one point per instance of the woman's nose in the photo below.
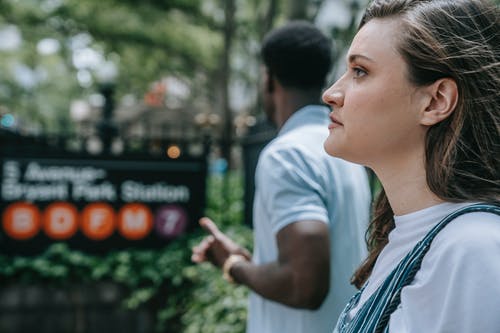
(333, 97)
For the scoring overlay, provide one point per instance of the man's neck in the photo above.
(288, 102)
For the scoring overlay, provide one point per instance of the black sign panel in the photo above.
(97, 205)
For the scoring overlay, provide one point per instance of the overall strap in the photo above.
(374, 314)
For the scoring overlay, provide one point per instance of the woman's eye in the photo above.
(358, 72)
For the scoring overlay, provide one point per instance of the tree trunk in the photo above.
(297, 10)
(227, 128)
(268, 20)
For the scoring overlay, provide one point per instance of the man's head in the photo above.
(297, 56)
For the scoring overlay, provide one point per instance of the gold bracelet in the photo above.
(228, 264)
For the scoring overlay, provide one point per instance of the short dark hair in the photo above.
(298, 55)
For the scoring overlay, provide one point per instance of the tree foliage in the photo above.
(146, 39)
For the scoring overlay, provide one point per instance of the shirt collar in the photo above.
(309, 114)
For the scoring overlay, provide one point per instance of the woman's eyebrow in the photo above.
(354, 57)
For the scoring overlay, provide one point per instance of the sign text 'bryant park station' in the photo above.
(116, 203)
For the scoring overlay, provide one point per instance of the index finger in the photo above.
(211, 227)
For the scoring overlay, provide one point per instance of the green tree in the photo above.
(146, 39)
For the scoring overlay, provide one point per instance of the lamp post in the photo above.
(106, 77)
(207, 122)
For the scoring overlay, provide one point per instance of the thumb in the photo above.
(211, 227)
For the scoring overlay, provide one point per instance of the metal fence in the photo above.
(74, 308)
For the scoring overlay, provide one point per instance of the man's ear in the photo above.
(443, 97)
(269, 81)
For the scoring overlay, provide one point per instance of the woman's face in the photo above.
(375, 108)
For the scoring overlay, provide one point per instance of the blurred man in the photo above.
(310, 210)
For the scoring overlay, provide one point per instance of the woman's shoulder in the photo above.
(457, 281)
(468, 236)
(475, 226)
(463, 253)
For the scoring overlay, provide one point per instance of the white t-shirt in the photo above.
(457, 288)
(296, 180)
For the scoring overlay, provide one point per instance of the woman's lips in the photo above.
(335, 122)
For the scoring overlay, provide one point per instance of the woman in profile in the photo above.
(420, 105)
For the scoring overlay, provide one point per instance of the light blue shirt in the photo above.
(297, 180)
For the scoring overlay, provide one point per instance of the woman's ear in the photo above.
(442, 102)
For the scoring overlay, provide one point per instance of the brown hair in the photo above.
(457, 39)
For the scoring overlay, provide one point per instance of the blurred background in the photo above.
(135, 89)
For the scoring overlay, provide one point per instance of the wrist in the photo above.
(229, 263)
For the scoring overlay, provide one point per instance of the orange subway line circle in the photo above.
(98, 221)
(21, 221)
(135, 221)
(60, 220)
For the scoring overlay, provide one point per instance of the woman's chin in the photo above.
(337, 151)
(331, 149)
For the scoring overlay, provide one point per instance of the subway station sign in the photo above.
(97, 205)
